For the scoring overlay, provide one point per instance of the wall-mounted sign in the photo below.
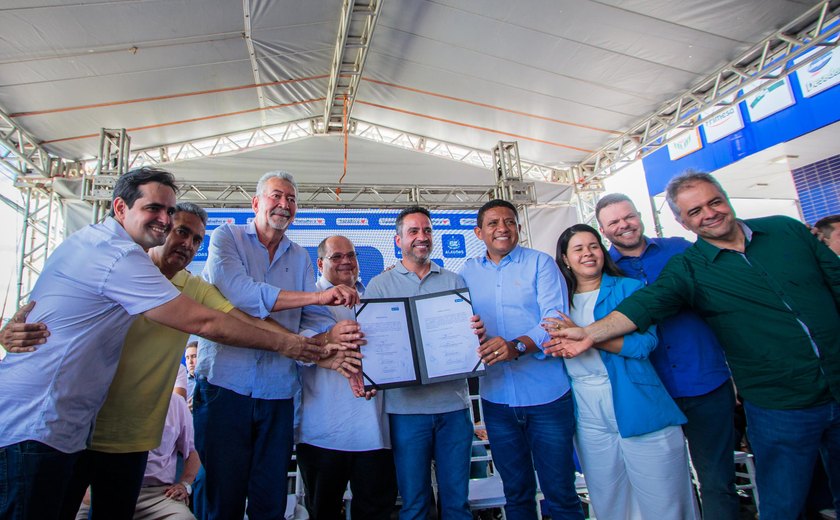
(724, 123)
(771, 96)
(683, 144)
(820, 74)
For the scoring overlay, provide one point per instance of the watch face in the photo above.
(520, 346)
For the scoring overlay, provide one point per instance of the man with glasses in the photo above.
(342, 438)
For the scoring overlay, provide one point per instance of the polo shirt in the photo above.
(512, 299)
(92, 287)
(239, 265)
(331, 416)
(133, 415)
(774, 309)
(689, 358)
(442, 397)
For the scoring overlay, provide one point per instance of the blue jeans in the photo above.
(711, 439)
(245, 445)
(786, 444)
(522, 437)
(418, 438)
(33, 480)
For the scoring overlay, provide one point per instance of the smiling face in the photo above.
(276, 206)
(339, 264)
(584, 256)
(415, 240)
(622, 225)
(149, 219)
(181, 244)
(706, 211)
(500, 232)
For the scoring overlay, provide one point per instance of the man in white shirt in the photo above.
(342, 438)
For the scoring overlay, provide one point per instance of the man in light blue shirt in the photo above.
(341, 438)
(91, 289)
(528, 407)
(430, 421)
(243, 401)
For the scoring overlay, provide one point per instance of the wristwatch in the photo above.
(187, 486)
(519, 346)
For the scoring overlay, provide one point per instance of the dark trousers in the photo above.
(326, 472)
(245, 445)
(710, 432)
(114, 479)
(33, 480)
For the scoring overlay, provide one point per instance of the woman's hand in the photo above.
(554, 325)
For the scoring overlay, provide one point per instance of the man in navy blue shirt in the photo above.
(689, 359)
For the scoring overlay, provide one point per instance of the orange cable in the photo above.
(169, 96)
(493, 107)
(475, 127)
(192, 120)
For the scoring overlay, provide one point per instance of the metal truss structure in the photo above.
(255, 138)
(40, 235)
(511, 185)
(797, 44)
(356, 25)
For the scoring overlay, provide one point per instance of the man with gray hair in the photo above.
(243, 403)
(688, 358)
(771, 293)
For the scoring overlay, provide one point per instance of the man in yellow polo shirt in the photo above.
(131, 421)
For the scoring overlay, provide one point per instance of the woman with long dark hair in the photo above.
(628, 436)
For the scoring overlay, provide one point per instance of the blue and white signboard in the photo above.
(372, 232)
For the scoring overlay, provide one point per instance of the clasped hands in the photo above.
(567, 339)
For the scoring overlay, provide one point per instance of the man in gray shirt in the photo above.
(430, 421)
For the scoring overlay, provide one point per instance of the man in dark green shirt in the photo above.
(771, 293)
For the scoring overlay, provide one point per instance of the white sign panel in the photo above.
(724, 123)
(821, 74)
(685, 144)
(772, 96)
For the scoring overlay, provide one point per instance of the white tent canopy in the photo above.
(561, 77)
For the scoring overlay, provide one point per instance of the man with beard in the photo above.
(91, 289)
(688, 358)
(243, 402)
(131, 420)
(430, 421)
(771, 293)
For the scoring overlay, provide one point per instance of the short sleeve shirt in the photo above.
(133, 415)
(91, 289)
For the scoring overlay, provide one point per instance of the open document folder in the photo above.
(418, 340)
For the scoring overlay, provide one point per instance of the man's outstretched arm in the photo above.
(572, 341)
(186, 315)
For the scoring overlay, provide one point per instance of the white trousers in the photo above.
(638, 478)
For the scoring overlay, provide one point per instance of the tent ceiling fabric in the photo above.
(561, 77)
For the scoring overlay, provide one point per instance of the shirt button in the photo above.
(673, 366)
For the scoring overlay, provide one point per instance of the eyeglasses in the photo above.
(338, 257)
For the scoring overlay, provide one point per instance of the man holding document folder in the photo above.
(528, 408)
(429, 421)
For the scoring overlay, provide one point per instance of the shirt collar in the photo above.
(400, 268)
(711, 252)
(515, 255)
(285, 242)
(111, 224)
(616, 254)
(325, 284)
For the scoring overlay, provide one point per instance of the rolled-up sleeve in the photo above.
(551, 297)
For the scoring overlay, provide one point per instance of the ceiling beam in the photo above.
(772, 58)
(355, 29)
